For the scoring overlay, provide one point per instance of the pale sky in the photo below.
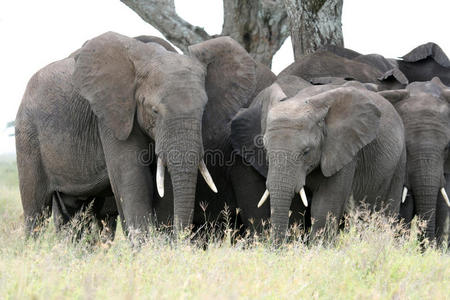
(36, 33)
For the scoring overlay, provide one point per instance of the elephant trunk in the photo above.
(282, 184)
(179, 146)
(425, 176)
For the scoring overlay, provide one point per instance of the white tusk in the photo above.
(405, 192)
(160, 168)
(205, 173)
(303, 196)
(444, 194)
(263, 198)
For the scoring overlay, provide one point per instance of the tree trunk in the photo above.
(314, 23)
(260, 26)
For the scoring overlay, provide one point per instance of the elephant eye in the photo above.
(155, 110)
(306, 151)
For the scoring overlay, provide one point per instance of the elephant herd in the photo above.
(131, 128)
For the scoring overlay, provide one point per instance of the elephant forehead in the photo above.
(424, 103)
(288, 110)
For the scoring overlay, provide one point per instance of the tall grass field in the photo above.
(367, 260)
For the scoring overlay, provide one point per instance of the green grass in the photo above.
(365, 262)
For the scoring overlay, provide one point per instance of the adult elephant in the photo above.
(249, 170)
(336, 141)
(421, 64)
(426, 117)
(327, 64)
(425, 62)
(85, 121)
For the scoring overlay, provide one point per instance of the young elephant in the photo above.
(86, 122)
(336, 141)
(425, 110)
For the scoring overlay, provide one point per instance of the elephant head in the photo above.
(132, 84)
(320, 127)
(425, 62)
(426, 116)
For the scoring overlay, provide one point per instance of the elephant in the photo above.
(327, 64)
(339, 142)
(425, 110)
(86, 122)
(249, 170)
(420, 64)
(425, 62)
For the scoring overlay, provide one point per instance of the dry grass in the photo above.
(368, 260)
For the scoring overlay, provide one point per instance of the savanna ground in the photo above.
(367, 261)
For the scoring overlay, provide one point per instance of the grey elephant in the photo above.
(425, 110)
(326, 64)
(249, 170)
(85, 122)
(336, 141)
(421, 64)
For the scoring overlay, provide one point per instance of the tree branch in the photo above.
(161, 14)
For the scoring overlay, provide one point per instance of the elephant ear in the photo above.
(394, 74)
(394, 96)
(154, 39)
(427, 50)
(291, 84)
(248, 127)
(352, 122)
(230, 83)
(246, 138)
(105, 76)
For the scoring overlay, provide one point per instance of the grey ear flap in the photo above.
(230, 81)
(154, 39)
(105, 76)
(446, 94)
(291, 84)
(394, 96)
(447, 165)
(351, 122)
(428, 50)
(269, 97)
(247, 139)
(394, 75)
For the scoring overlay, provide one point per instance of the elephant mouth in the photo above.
(160, 170)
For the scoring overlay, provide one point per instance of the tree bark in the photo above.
(260, 26)
(314, 23)
(161, 14)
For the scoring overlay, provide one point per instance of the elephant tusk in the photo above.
(205, 173)
(160, 168)
(303, 196)
(263, 198)
(444, 194)
(405, 192)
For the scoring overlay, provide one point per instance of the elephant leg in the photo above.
(329, 200)
(443, 216)
(106, 213)
(59, 211)
(248, 187)
(407, 211)
(34, 188)
(131, 181)
(392, 199)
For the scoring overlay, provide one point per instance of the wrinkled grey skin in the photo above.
(249, 171)
(426, 116)
(327, 64)
(420, 64)
(86, 123)
(335, 141)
